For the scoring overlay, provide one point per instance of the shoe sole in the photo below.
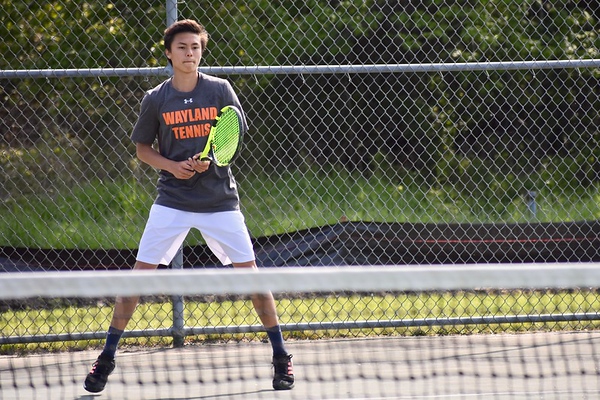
(92, 390)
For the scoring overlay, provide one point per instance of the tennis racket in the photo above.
(224, 137)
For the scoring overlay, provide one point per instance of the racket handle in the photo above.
(197, 157)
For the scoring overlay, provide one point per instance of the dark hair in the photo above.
(185, 26)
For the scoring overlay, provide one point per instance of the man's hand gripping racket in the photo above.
(224, 137)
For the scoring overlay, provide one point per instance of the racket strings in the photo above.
(226, 139)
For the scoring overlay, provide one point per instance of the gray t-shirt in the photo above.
(180, 122)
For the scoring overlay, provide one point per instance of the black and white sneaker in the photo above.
(98, 376)
(283, 378)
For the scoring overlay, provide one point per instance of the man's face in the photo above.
(186, 52)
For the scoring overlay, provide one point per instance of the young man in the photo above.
(191, 193)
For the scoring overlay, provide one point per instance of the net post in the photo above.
(178, 320)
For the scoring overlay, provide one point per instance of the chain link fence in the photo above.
(429, 112)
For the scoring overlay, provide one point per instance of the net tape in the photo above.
(299, 279)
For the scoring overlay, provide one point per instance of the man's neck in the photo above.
(185, 82)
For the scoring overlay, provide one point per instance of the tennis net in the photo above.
(494, 331)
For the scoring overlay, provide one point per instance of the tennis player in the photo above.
(177, 114)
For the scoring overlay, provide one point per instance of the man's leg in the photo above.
(125, 306)
(264, 304)
(105, 364)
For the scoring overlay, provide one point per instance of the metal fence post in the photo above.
(178, 318)
(171, 18)
(177, 263)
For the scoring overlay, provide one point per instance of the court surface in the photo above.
(518, 366)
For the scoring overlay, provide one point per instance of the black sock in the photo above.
(112, 340)
(276, 339)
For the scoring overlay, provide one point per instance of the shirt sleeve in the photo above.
(148, 124)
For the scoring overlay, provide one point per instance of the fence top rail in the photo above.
(304, 69)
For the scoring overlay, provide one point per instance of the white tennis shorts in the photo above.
(225, 234)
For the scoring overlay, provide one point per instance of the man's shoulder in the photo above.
(157, 95)
(212, 80)
(158, 88)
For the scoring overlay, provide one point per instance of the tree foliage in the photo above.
(427, 122)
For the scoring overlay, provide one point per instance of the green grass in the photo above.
(54, 319)
(95, 215)
(304, 199)
(105, 214)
